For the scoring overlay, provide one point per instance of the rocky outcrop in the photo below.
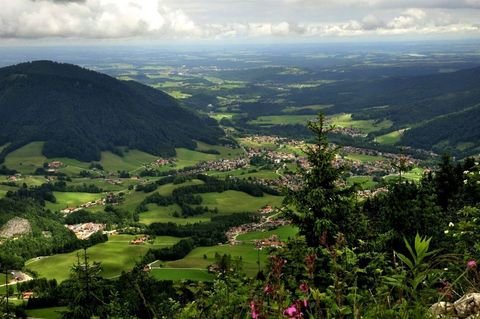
(15, 227)
(466, 307)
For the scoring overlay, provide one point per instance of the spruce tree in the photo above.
(321, 208)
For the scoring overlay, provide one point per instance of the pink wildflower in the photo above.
(292, 312)
(268, 289)
(303, 287)
(472, 264)
(253, 309)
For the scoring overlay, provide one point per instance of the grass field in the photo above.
(414, 175)
(186, 157)
(319, 107)
(225, 152)
(282, 119)
(131, 161)
(364, 158)
(283, 233)
(179, 274)
(390, 138)
(246, 173)
(234, 201)
(164, 214)
(167, 189)
(345, 120)
(365, 182)
(220, 116)
(46, 313)
(71, 199)
(116, 255)
(27, 158)
(248, 253)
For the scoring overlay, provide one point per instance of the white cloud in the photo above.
(91, 19)
(153, 19)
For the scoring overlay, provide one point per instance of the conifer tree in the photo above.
(321, 208)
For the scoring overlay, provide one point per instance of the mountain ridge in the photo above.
(79, 113)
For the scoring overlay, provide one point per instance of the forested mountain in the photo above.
(440, 110)
(79, 113)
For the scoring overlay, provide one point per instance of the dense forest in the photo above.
(79, 113)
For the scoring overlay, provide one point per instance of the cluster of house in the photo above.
(52, 167)
(270, 242)
(350, 131)
(163, 161)
(139, 240)
(84, 231)
(113, 181)
(14, 178)
(275, 140)
(223, 165)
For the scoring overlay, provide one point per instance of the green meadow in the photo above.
(71, 199)
(225, 152)
(116, 255)
(247, 253)
(364, 158)
(131, 161)
(27, 158)
(186, 157)
(365, 182)
(282, 119)
(46, 313)
(390, 138)
(344, 120)
(230, 202)
(164, 214)
(283, 233)
(179, 274)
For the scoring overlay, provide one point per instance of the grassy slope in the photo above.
(27, 158)
(131, 161)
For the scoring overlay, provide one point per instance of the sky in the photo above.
(130, 21)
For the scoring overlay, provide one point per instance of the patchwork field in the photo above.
(116, 255)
